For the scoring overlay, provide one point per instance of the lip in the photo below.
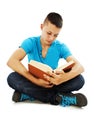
(49, 42)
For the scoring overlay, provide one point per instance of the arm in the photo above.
(15, 64)
(62, 76)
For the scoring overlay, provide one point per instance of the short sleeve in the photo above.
(27, 45)
(65, 51)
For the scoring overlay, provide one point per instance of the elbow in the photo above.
(78, 69)
(81, 69)
(9, 63)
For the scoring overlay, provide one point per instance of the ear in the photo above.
(41, 26)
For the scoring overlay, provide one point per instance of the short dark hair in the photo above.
(55, 19)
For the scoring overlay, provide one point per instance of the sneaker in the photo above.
(26, 97)
(16, 96)
(19, 97)
(73, 99)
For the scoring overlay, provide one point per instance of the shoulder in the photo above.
(63, 49)
(31, 40)
(29, 43)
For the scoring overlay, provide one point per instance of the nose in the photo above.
(51, 38)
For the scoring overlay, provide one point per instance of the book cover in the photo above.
(38, 69)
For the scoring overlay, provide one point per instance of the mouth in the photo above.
(49, 42)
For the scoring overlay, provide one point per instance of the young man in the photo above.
(58, 87)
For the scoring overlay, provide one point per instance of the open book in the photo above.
(38, 69)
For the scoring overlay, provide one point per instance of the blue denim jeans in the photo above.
(46, 95)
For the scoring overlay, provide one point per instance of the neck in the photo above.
(44, 45)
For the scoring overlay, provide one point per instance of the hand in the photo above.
(44, 83)
(55, 78)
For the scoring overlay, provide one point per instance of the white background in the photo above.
(20, 19)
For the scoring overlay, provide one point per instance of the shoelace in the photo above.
(26, 97)
(67, 101)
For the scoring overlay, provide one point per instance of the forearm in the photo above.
(73, 73)
(61, 77)
(22, 70)
(18, 67)
(68, 76)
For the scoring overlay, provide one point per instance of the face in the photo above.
(49, 33)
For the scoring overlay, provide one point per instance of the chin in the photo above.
(48, 42)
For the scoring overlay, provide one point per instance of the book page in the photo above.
(66, 66)
(40, 66)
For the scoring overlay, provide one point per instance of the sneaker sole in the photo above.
(16, 97)
(81, 100)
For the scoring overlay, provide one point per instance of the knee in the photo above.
(10, 76)
(11, 79)
(81, 81)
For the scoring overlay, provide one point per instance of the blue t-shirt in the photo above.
(57, 50)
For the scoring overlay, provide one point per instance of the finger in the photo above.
(46, 77)
(59, 72)
(52, 75)
(49, 86)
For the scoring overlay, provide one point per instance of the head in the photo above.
(55, 19)
(51, 27)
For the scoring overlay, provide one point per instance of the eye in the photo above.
(49, 33)
(55, 35)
